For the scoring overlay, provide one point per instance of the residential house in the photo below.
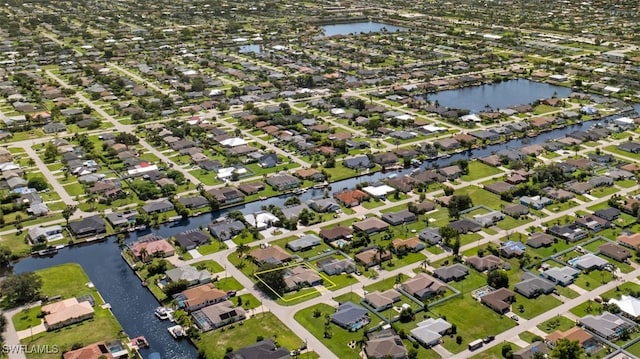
(589, 262)
(304, 243)
(488, 219)
(111, 350)
(333, 266)
(190, 274)
(370, 225)
(150, 246)
(401, 246)
(358, 162)
(283, 181)
(430, 235)
(324, 205)
(264, 349)
(429, 332)
(531, 285)
(629, 306)
(191, 239)
(351, 198)
(158, 207)
(607, 325)
(630, 240)
(300, 277)
(310, 174)
(499, 187)
(539, 239)
(89, 226)
(530, 351)
(385, 347)
(382, 300)
(584, 338)
(454, 272)
(386, 160)
(226, 195)
(512, 249)
(225, 230)
(194, 202)
(486, 263)
(218, 315)
(261, 220)
(422, 286)
(563, 276)
(466, 225)
(614, 251)
(499, 300)
(516, 210)
(451, 172)
(335, 233)
(271, 254)
(535, 202)
(45, 234)
(66, 312)
(351, 316)
(398, 218)
(570, 232)
(372, 256)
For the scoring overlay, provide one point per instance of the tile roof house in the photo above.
(350, 316)
(512, 249)
(574, 334)
(614, 251)
(351, 198)
(358, 162)
(271, 254)
(301, 277)
(199, 297)
(382, 300)
(422, 286)
(218, 315)
(465, 225)
(533, 285)
(539, 239)
(333, 266)
(499, 300)
(190, 274)
(151, 245)
(454, 272)
(401, 246)
(589, 262)
(370, 225)
(385, 347)
(372, 256)
(630, 240)
(335, 233)
(516, 210)
(629, 306)
(158, 207)
(66, 312)
(225, 230)
(398, 218)
(529, 351)
(283, 181)
(430, 235)
(112, 350)
(488, 262)
(45, 234)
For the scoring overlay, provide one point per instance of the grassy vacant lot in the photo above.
(560, 322)
(471, 327)
(215, 343)
(479, 170)
(210, 264)
(534, 307)
(481, 197)
(69, 280)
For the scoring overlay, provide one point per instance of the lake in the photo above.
(245, 49)
(358, 27)
(498, 95)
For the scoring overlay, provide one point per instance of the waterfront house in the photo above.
(89, 226)
(66, 312)
(189, 274)
(218, 315)
(263, 349)
(199, 297)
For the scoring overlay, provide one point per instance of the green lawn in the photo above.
(604, 191)
(560, 322)
(479, 170)
(471, 327)
(495, 351)
(593, 279)
(528, 336)
(27, 318)
(210, 265)
(214, 343)
(534, 307)
(385, 284)
(340, 338)
(481, 197)
(212, 247)
(74, 189)
(228, 283)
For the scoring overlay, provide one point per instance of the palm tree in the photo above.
(241, 249)
(144, 254)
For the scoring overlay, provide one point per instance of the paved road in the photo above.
(53, 182)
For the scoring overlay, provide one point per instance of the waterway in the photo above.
(498, 95)
(245, 49)
(133, 304)
(358, 27)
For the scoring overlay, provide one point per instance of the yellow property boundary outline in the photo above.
(324, 277)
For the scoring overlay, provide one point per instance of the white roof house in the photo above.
(233, 142)
(261, 220)
(628, 305)
(377, 191)
(141, 170)
(433, 128)
(226, 173)
(430, 331)
(471, 118)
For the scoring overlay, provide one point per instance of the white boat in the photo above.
(177, 331)
(164, 313)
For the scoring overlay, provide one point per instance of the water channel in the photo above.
(133, 304)
(358, 27)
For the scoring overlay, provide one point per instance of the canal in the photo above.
(358, 27)
(133, 304)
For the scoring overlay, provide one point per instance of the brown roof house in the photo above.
(371, 225)
(66, 312)
(351, 198)
(614, 251)
(372, 256)
(218, 315)
(271, 254)
(382, 300)
(574, 334)
(489, 262)
(423, 286)
(499, 300)
(200, 297)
